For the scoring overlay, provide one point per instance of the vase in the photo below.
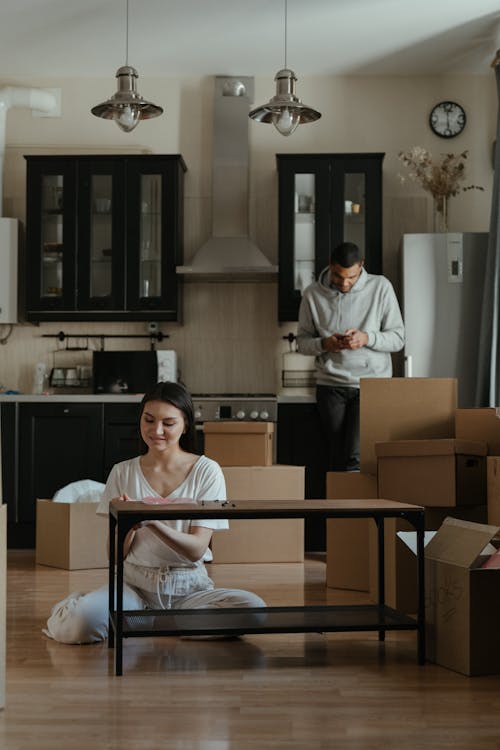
(440, 213)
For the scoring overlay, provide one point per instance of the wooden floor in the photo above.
(282, 692)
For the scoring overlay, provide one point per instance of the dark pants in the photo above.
(339, 414)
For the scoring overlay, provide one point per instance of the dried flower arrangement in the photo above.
(442, 179)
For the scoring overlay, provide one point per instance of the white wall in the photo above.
(230, 338)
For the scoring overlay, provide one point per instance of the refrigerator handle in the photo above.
(408, 366)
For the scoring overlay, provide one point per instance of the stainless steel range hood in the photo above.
(230, 254)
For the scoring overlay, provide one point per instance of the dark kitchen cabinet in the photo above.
(103, 237)
(48, 445)
(57, 444)
(121, 434)
(325, 199)
(301, 443)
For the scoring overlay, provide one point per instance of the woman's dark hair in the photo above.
(177, 395)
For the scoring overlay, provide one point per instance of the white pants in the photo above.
(83, 618)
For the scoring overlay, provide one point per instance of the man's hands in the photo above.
(351, 339)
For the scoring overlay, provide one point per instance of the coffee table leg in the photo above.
(421, 591)
(381, 577)
(119, 601)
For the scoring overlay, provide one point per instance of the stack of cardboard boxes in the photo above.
(245, 452)
(417, 447)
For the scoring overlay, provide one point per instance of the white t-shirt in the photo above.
(205, 481)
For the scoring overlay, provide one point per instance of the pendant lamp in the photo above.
(127, 106)
(285, 110)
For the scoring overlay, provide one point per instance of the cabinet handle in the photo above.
(66, 411)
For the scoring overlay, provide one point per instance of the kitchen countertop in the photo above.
(75, 398)
(297, 398)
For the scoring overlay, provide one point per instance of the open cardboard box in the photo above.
(462, 599)
(400, 561)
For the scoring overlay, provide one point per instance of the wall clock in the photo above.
(447, 119)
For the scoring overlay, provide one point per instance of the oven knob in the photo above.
(240, 414)
(254, 415)
(198, 414)
(264, 415)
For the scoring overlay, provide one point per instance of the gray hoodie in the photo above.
(370, 306)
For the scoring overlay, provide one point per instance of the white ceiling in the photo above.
(86, 38)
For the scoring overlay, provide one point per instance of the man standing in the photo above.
(351, 322)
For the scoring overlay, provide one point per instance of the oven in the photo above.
(232, 407)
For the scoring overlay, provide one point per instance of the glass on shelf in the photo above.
(354, 204)
(102, 205)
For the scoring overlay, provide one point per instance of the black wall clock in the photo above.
(447, 119)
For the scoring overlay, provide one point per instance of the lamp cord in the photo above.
(286, 14)
(126, 39)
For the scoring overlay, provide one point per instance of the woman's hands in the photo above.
(191, 545)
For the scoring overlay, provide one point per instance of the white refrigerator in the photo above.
(442, 289)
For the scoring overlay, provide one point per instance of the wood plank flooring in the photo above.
(282, 692)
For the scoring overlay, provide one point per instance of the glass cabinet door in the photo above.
(150, 234)
(355, 209)
(154, 205)
(51, 236)
(101, 250)
(304, 240)
(101, 235)
(325, 199)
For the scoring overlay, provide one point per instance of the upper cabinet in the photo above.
(325, 199)
(103, 237)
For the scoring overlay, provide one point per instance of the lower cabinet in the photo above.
(121, 434)
(301, 443)
(47, 445)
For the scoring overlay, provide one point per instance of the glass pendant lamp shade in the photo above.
(285, 110)
(126, 107)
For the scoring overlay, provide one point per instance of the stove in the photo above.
(235, 407)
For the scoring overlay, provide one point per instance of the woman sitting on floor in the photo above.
(164, 560)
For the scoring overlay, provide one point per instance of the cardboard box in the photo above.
(462, 600)
(400, 562)
(259, 540)
(439, 473)
(239, 443)
(404, 409)
(493, 489)
(347, 541)
(3, 598)
(479, 424)
(70, 535)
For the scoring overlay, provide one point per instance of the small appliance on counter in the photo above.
(130, 372)
(298, 370)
